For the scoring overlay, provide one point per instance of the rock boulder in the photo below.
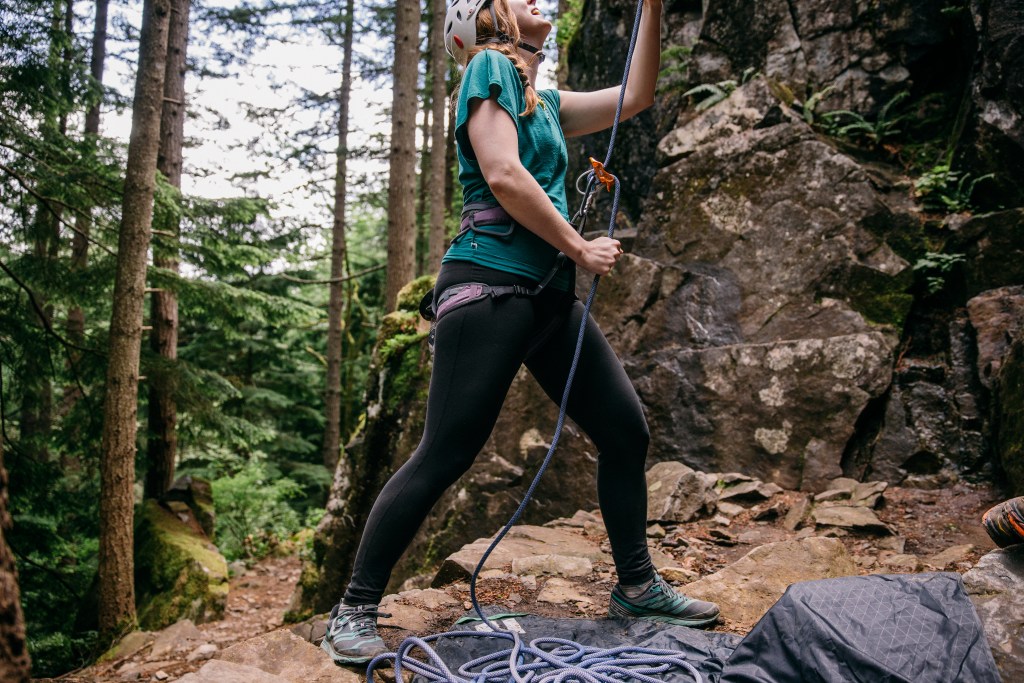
(747, 588)
(179, 574)
(996, 587)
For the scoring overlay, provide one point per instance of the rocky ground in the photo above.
(563, 569)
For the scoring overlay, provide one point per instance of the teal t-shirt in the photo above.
(542, 152)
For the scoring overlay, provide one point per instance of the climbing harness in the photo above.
(544, 660)
(487, 219)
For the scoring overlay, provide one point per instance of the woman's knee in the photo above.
(627, 440)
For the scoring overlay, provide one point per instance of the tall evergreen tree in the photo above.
(120, 406)
(436, 242)
(402, 155)
(163, 409)
(83, 220)
(422, 197)
(37, 399)
(339, 250)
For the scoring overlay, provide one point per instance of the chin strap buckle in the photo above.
(603, 176)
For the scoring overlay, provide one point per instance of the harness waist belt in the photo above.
(466, 293)
(493, 215)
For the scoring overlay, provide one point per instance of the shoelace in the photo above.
(361, 626)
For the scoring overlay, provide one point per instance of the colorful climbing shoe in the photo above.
(660, 602)
(352, 636)
(1005, 522)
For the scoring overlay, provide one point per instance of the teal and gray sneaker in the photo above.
(660, 602)
(352, 636)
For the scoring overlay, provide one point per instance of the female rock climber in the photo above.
(491, 318)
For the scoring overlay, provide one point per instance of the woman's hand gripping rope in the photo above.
(602, 252)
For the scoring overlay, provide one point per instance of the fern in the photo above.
(849, 124)
(943, 189)
(711, 94)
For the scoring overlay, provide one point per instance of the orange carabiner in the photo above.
(603, 176)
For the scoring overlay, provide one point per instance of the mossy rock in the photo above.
(881, 298)
(197, 494)
(179, 573)
(409, 297)
(397, 323)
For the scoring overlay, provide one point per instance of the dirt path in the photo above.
(257, 600)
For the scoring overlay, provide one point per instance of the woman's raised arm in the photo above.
(588, 112)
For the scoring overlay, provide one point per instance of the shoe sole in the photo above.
(617, 611)
(676, 621)
(342, 660)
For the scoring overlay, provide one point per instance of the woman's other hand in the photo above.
(599, 255)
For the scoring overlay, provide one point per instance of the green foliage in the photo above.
(810, 107)
(568, 25)
(56, 652)
(942, 189)
(936, 268)
(675, 66)
(253, 514)
(844, 123)
(708, 95)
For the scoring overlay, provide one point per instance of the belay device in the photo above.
(547, 660)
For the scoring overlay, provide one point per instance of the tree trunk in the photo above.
(437, 242)
(562, 69)
(422, 198)
(37, 400)
(162, 445)
(14, 658)
(120, 404)
(332, 393)
(402, 167)
(83, 221)
(450, 160)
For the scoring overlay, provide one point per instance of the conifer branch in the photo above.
(46, 201)
(42, 314)
(335, 280)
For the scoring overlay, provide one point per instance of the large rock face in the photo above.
(866, 51)
(997, 127)
(757, 311)
(1009, 418)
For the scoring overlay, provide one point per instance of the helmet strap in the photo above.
(499, 34)
(533, 50)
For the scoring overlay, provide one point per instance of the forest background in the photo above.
(197, 244)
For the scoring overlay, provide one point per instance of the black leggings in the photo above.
(478, 350)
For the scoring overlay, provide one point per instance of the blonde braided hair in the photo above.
(487, 39)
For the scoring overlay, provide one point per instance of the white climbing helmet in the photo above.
(460, 27)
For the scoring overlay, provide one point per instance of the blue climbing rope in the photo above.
(546, 660)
